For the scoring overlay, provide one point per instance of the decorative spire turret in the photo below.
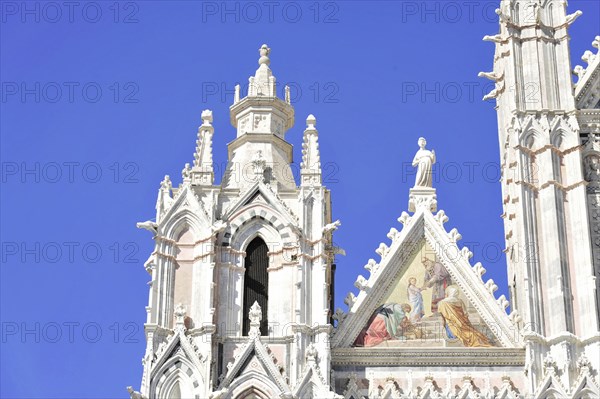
(263, 82)
(202, 173)
(261, 111)
(310, 168)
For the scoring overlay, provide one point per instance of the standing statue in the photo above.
(438, 279)
(423, 160)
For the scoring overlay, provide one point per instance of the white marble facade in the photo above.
(423, 324)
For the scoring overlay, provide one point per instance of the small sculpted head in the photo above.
(422, 142)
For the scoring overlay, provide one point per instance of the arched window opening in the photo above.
(256, 283)
(175, 392)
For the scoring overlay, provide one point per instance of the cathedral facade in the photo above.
(242, 274)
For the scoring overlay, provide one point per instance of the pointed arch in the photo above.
(308, 390)
(177, 373)
(557, 138)
(254, 227)
(253, 382)
(175, 391)
(253, 393)
(551, 388)
(182, 220)
(531, 139)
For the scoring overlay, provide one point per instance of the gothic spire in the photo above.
(202, 172)
(310, 168)
(263, 81)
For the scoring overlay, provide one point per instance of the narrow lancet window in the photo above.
(256, 283)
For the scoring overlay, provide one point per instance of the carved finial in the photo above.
(503, 302)
(382, 250)
(583, 363)
(478, 269)
(393, 234)
(310, 167)
(491, 286)
(339, 315)
(361, 283)
(503, 16)
(202, 172)
(311, 353)
(180, 317)
(288, 98)
(350, 299)
(264, 52)
(255, 316)
(596, 42)
(166, 183)
(371, 266)
(207, 117)
(404, 218)
(236, 94)
(588, 57)
(514, 317)
(579, 71)
(550, 364)
(186, 173)
(441, 217)
(454, 235)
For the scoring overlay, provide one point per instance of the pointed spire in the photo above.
(202, 173)
(310, 168)
(261, 111)
(165, 197)
(263, 81)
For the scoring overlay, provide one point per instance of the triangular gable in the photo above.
(260, 193)
(186, 200)
(424, 226)
(430, 389)
(586, 385)
(507, 390)
(467, 391)
(176, 342)
(312, 376)
(551, 387)
(390, 390)
(352, 391)
(254, 348)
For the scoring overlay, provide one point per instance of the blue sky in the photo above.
(101, 100)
